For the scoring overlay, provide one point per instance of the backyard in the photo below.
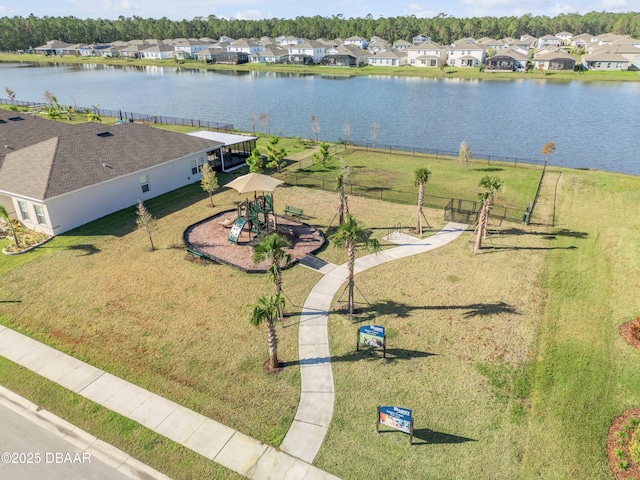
(510, 360)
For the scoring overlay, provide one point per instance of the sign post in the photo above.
(397, 418)
(372, 336)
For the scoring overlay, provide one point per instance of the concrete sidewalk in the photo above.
(217, 442)
(230, 448)
(317, 396)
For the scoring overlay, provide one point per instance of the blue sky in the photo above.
(256, 9)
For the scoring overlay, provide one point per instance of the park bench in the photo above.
(293, 211)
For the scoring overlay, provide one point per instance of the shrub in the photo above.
(619, 453)
(623, 465)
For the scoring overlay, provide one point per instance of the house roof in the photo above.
(428, 45)
(553, 54)
(605, 57)
(87, 154)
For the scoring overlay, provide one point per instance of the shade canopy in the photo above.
(254, 182)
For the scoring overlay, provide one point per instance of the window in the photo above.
(144, 183)
(196, 165)
(24, 211)
(40, 214)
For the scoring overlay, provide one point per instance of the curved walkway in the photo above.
(310, 425)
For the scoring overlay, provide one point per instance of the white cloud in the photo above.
(419, 11)
(249, 15)
(562, 8)
(616, 6)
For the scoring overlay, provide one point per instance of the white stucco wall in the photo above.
(68, 211)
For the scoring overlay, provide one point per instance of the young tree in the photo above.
(342, 179)
(491, 186)
(271, 249)
(351, 235)
(323, 155)
(374, 130)
(264, 121)
(421, 176)
(253, 121)
(255, 162)
(346, 130)
(4, 216)
(95, 115)
(315, 126)
(275, 154)
(465, 154)
(548, 149)
(146, 222)
(266, 310)
(209, 181)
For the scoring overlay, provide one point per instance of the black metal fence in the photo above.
(459, 210)
(129, 116)
(412, 151)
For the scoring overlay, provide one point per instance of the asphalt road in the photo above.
(29, 451)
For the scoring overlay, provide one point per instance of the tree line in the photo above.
(20, 33)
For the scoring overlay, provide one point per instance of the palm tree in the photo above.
(350, 235)
(342, 179)
(266, 310)
(491, 186)
(4, 215)
(271, 248)
(421, 178)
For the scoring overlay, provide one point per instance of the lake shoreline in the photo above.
(405, 71)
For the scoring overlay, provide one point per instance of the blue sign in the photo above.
(371, 335)
(395, 417)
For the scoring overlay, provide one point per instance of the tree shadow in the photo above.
(10, 301)
(562, 232)
(88, 249)
(430, 437)
(488, 169)
(365, 353)
(402, 310)
(506, 248)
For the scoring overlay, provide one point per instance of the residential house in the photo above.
(230, 58)
(285, 41)
(316, 51)
(466, 54)
(553, 59)
(52, 47)
(565, 37)
(133, 51)
(418, 39)
(529, 40)
(507, 60)
(225, 39)
(401, 45)
(377, 46)
(159, 52)
(359, 42)
(245, 46)
(491, 44)
(189, 48)
(208, 54)
(270, 54)
(582, 40)
(549, 41)
(93, 50)
(389, 59)
(346, 56)
(426, 54)
(605, 60)
(58, 176)
(111, 51)
(625, 50)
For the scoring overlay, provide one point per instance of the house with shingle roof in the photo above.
(426, 54)
(389, 59)
(52, 47)
(158, 52)
(553, 59)
(605, 60)
(55, 176)
(466, 54)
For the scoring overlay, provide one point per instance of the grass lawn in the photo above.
(510, 360)
(391, 177)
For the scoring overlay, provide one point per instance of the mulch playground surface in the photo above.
(211, 238)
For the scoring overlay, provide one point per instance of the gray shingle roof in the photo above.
(61, 160)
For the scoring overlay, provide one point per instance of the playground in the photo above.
(210, 238)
